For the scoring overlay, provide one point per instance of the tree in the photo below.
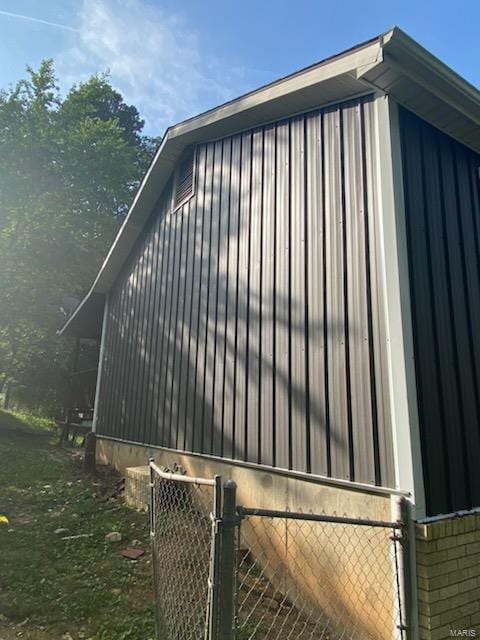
(68, 170)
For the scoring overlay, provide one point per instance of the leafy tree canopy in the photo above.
(69, 167)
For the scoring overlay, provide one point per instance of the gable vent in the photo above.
(184, 179)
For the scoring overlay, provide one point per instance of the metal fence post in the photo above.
(407, 546)
(227, 566)
(211, 628)
(152, 543)
(152, 497)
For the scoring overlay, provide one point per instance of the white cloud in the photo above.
(154, 59)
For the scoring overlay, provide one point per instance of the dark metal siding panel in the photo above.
(254, 298)
(253, 317)
(138, 411)
(168, 329)
(194, 434)
(221, 349)
(185, 300)
(144, 335)
(202, 431)
(109, 364)
(298, 299)
(442, 227)
(172, 377)
(338, 399)
(212, 430)
(359, 337)
(178, 377)
(232, 302)
(315, 268)
(266, 308)
(159, 313)
(282, 282)
(379, 368)
(152, 328)
(241, 389)
(127, 397)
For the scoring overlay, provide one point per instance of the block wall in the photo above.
(448, 575)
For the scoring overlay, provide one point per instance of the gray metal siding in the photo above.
(249, 323)
(441, 179)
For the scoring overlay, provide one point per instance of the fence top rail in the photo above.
(178, 477)
(313, 517)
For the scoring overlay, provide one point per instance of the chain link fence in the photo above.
(183, 514)
(223, 571)
(303, 577)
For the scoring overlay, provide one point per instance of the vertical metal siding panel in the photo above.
(167, 330)
(182, 342)
(194, 278)
(336, 321)
(119, 406)
(450, 315)
(163, 326)
(267, 310)
(201, 284)
(209, 374)
(448, 393)
(159, 314)
(189, 254)
(126, 398)
(474, 175)
(103, 420)
(282, 268)
(204, 267)
(297, 297)
(133, 352)
(385, 474)
(461, 318)
(152, 377)
(144, 359)
(241, 389)
(471, 274)
(316, 315)
(254, 301)
(221, 303)
(145, 346)
(134, 430)
(114, 318)
(150, 373)
(229, 416)
(119, 409)
(357, 292)
(174, 334)
(427, 374)
(186, 402)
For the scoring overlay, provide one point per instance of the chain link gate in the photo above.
(184, 516)
(305, 576)
(222, 571)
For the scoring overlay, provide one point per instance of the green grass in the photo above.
(83, 586)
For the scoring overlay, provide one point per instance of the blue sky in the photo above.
(173, 59)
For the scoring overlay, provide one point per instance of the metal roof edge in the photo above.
(398, 42)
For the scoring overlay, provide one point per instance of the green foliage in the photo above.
(68, 170)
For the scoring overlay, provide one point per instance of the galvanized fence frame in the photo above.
(400, 579)
(211, 579)
(221, 583)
